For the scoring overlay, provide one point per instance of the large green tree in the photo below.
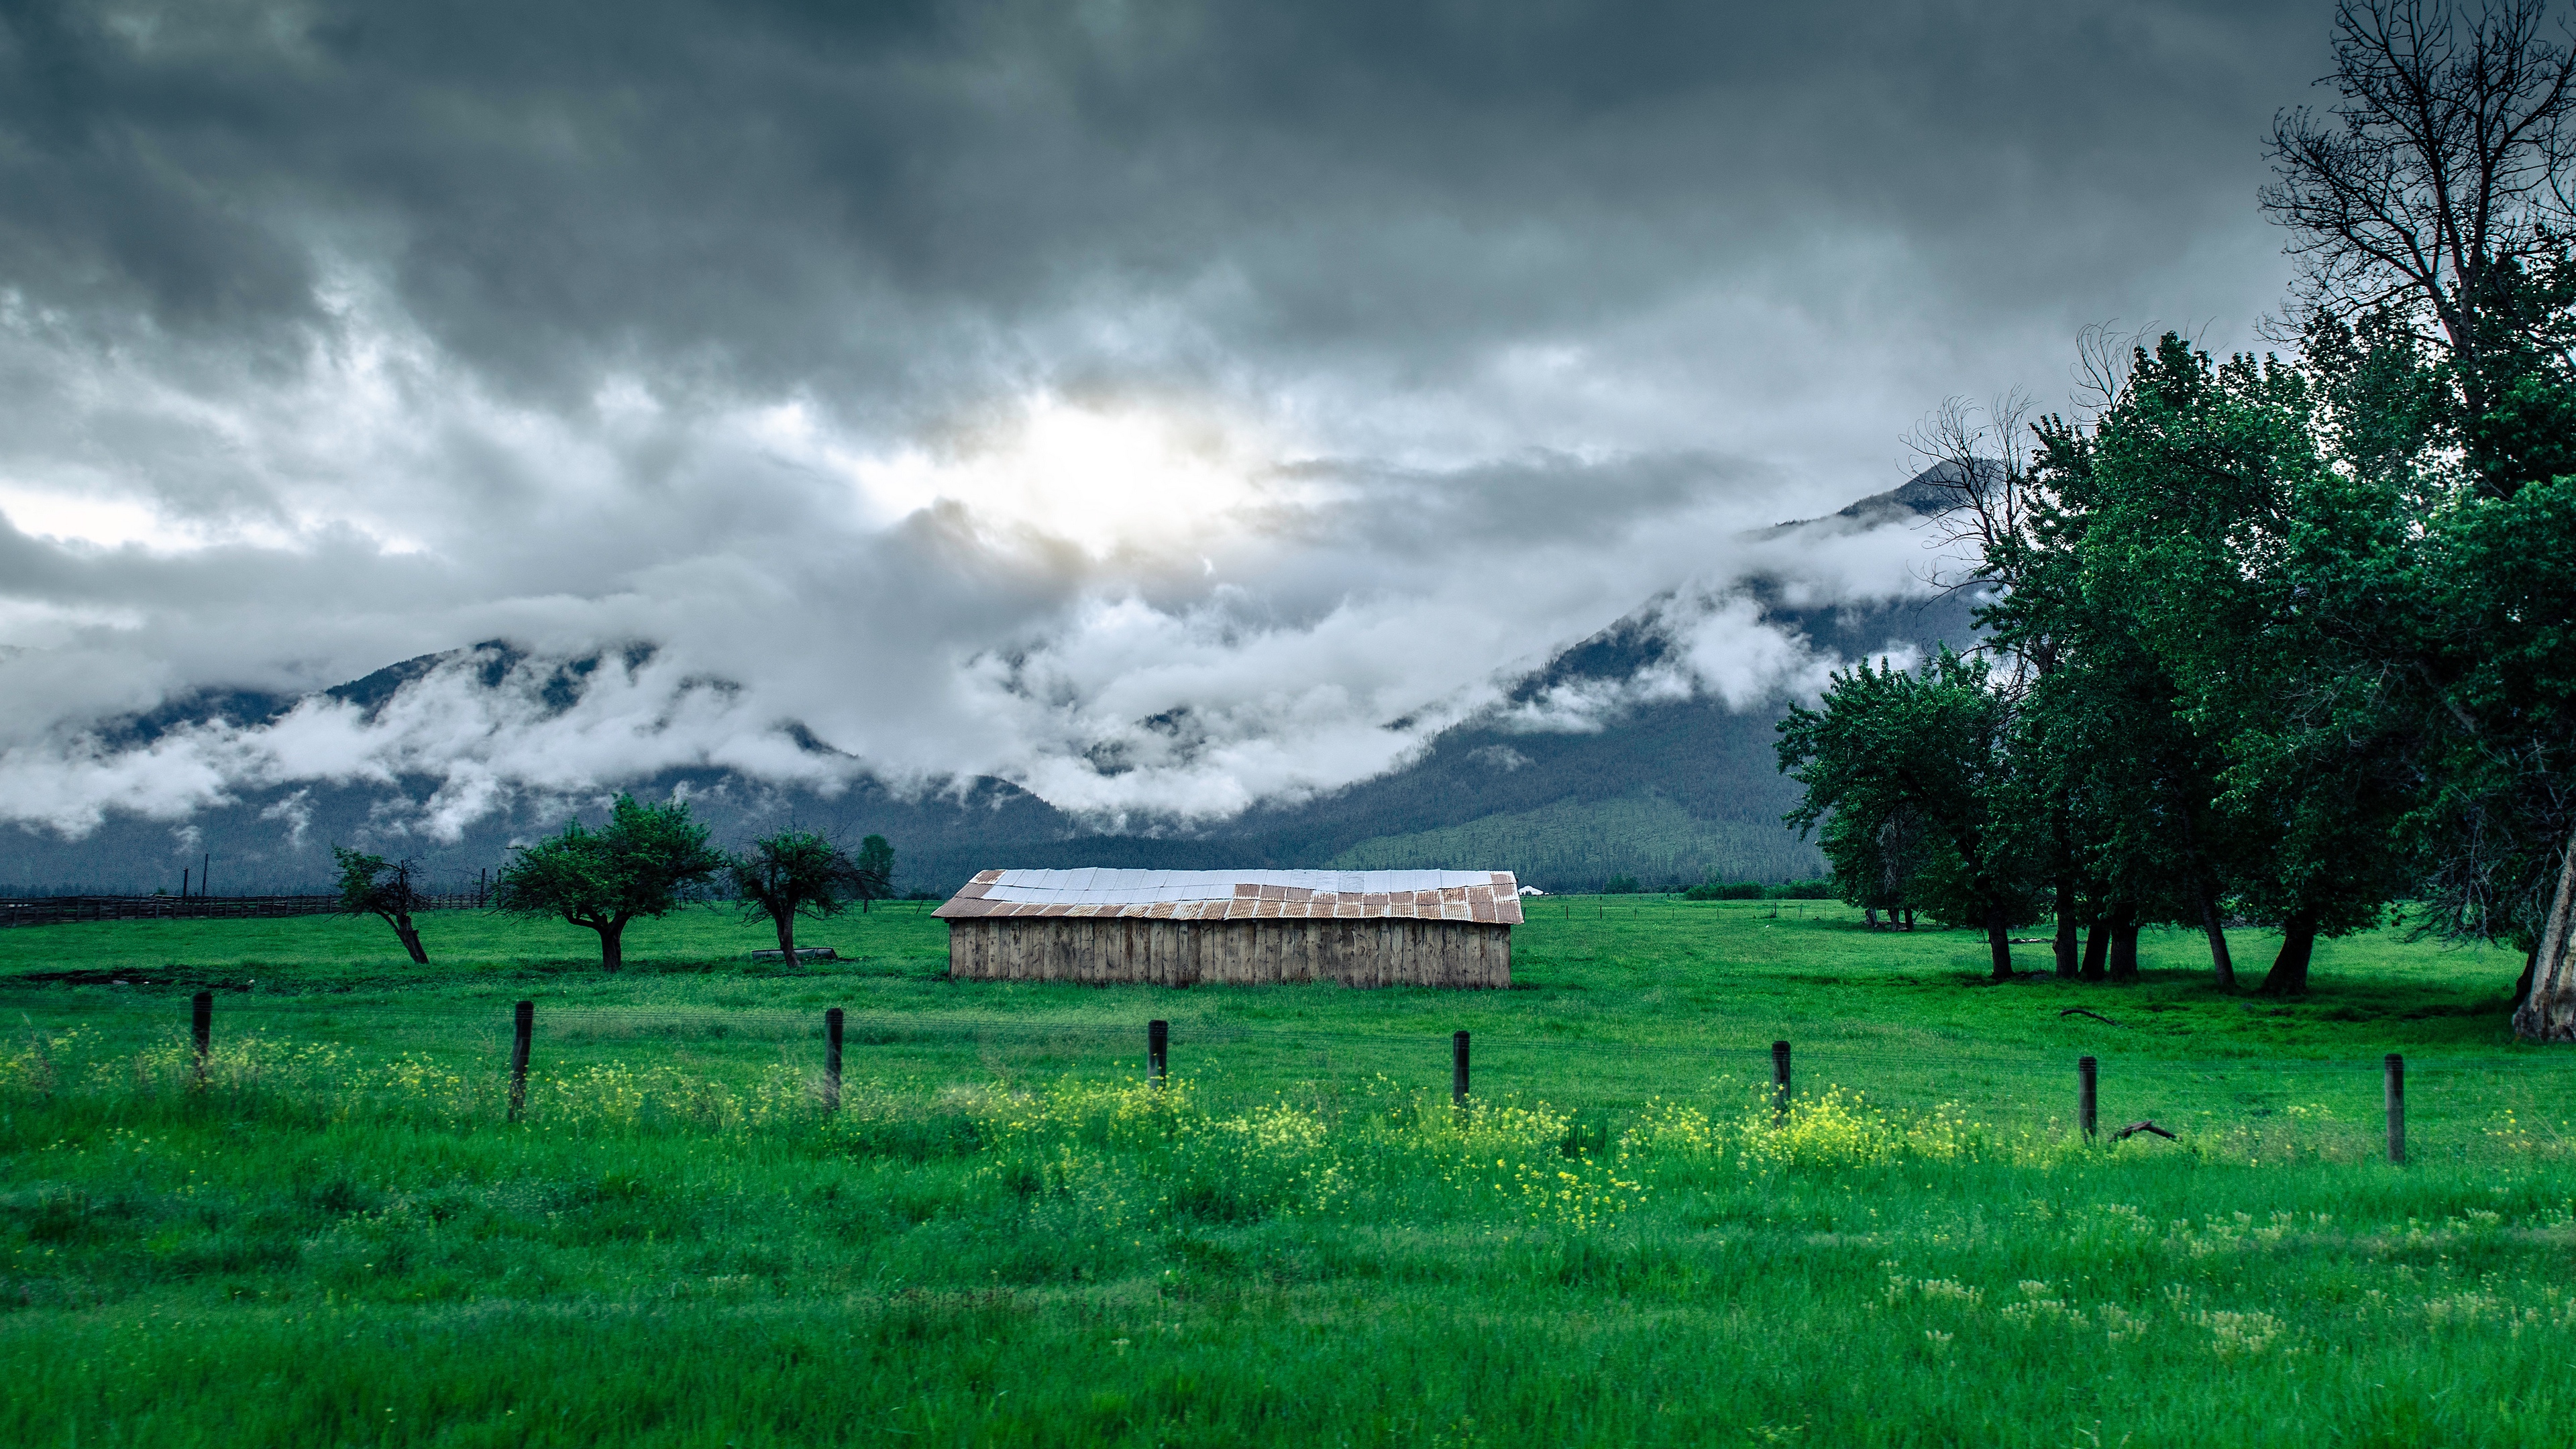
(2432, 207)
(642, 863)
(2463, 607)
(1929, 751)
(2219, 520)
(2120, 791)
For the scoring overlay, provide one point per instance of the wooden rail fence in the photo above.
(56, 910)
(1158, 1047)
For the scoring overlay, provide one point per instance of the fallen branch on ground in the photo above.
(2134, 1128)
(2080, 1011)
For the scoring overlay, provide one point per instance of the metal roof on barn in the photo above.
(1486, 897)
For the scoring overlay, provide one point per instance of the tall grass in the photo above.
(309, 1244)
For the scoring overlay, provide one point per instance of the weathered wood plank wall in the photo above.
(1114, 949)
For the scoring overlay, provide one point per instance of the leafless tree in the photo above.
(1978, 460)
(2441, 171)
(2105, 354)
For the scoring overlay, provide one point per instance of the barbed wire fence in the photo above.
(2407, 1109)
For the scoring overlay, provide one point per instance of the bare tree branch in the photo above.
(2444, 167)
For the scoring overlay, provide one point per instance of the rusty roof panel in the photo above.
(1186, 895)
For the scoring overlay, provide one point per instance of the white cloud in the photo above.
(1135, 613)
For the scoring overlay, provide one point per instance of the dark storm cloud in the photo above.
(399, 327)
(760, 195)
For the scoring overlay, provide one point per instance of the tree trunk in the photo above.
(786, 937)
(2289, 974)
(2066, 947)
(1999, 942)
(2547, 1011)
(2097, 946)
(1909, 918)
(410, 939)
(612, 950)
(2219, 960)
(2124, 942)
(1870, 914)
(2207, 897)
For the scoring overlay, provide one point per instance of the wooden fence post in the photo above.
(523, 1024)
(832, 1060)
(1779, 1080)
(1158, 1050)
(1458, 1069)
(201, 1025)
(2087, 1095)
(2396, 1068)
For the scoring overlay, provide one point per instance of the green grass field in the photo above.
(1002, 1237)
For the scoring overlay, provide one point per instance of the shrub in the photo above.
(1718, 890)
(1804, 890)
(1619, 885)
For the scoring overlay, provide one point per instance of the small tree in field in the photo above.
(799, 873)
(641, 863)
(876, 871)
(373, 885)
(1893, 751)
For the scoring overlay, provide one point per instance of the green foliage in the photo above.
(1712, 890)
(799, 873)
(1914, 776)
(640, 864)
(2219, 510)
(2500, 576)
(1620, 885)
(873, 879)
(371, 885)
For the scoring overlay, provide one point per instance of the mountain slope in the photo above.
(1664, 785)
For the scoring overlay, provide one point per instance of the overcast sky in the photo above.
(1164, 406)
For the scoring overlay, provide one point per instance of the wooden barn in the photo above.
(1235, 927)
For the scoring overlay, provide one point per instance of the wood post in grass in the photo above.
(1458, 1069)
(1158, 1050)
(832, 1060)
(201, 1026)
(2088, 1095)
(523, 1024)
(2396, 1069)
(1780, 1079)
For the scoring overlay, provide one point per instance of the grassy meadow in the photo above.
(1003, 1237)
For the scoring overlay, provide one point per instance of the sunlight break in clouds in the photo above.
(1129, 482)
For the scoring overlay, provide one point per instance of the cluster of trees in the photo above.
(645, 861)
(2289, 639)
(1714, 889)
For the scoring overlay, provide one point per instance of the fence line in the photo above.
(63, 910)
(930, 1027)
(60, 910)
(2079, 1082)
